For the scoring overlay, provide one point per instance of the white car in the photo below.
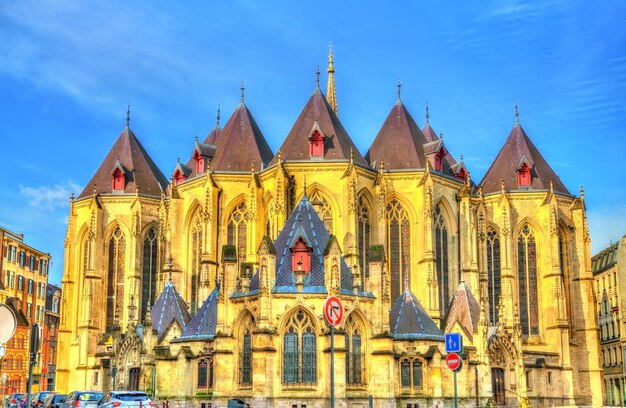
(123, 399)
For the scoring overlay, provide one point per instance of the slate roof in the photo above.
(504, 167)
(409, 320)
(464, 310)
(138, 165)
(202, 325)
(430, 135)
(169, 307)
(240, 144)
(203, 148)
(305, 222)
(337, 142)
(400, 142)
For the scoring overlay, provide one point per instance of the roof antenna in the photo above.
(516, 115)
(128, 116)
(242, 91)
(427, 114)
(217, 124)
(317, 77)
(399, 86)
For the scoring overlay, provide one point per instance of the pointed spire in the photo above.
(399, 88)
(516, 115)
(242, 91)
(128, 116)
(317, 77)
(331, 96)
(427, 115)
(217, 123)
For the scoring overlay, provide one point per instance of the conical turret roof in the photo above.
(240, 144)
(337, 142)
(400, 142)
(204, 322)
(517, 147)
(138, 167)
(464, 310)
(169, 307)
(409, 320)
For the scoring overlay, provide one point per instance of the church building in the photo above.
(208, 287)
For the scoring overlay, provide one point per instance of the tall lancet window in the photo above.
(149, 273)
(245, 353)
(527, 277)
(564, 271)
(115, 277)
(441, 261)
(398, 245)
(363, 238)
(238, 230)
(493, 274)
(299, 350)
(323, 210)
(196, 261)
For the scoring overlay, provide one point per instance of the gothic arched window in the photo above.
(299, 350)
(493, 274)
(527, 278)
(149, 273)
(322, 208)
(354, 353)
(238, 230)
(245, 355)
(205, 373)
(411, 373)
(441, 261)
(564, 272)
(115, 277)
(196, 259)
(363, 238)
(398, 245)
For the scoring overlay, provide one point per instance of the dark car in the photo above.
(54, 400)
(81, 399)
(39, 398)
(15, 400)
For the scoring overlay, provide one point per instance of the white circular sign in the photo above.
(8, 323)
(333, 311)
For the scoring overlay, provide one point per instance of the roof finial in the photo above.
(128, 116)
(317, 77)
(427, 114)
(331, 96)
(242, 91)
(582, 193)
(440, 135)
(171, 266)
(399, 87)
(516, 114)
(461, 157)
(196, 138)
(217, 124)
(305, 186)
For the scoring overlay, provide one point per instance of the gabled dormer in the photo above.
(118, 175)
(301, 252)
(181, 172)
(459, 170)
(202, 154)
(523, 172)
(436, 152)
(316, 142)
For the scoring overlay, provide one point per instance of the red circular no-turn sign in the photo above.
(333, 311)
(453, 361)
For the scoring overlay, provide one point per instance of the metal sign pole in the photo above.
(456, 399)
(332, 366)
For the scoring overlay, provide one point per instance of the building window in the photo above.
(31, 263)
(441, 261)
(323, 210)
(31, 286)
(528, 381)
(527, 277)
(29, 310)
(205, 373)
(411, 373)
(299, 350)
(363, 238)
(238, 230)
(115, 277)
(196, 260)
(246, 359)
(398, 245)
(563, 270)
(149, 274)
(20, 282)
(354, 353)
(22, 258)
(493, 274)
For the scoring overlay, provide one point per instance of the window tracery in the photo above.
(196, 260)
(363, 238)
(299, 350)
(149, 273)
(245, 356)
(441, 260)
(493, 274)
(205, 373)
(355, 367)
(115, 277)
(323, 210)
(411, 373)
(238, 230)
(527, 277)
(398, 245)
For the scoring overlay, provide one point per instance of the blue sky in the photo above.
(68, 70)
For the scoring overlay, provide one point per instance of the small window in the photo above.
(549, 377)
(528, 381)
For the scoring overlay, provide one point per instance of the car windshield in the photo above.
(132, 397)
(90, 396)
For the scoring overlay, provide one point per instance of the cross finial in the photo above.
(516, 114)
(440, 135)
(128, 116)
(196, 137)
(399, 88)
(217, 124)
(461, 157)
(242, 91)
(171, 265)
(427, 114)
(317, 77)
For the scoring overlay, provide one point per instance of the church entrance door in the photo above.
(133, 379)
(497, 386)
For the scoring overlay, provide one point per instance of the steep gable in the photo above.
(464, 310)
(409, 320)
(169, 308)
(204, 322)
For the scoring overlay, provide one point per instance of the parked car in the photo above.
(82, 399)
(54, 400)
(38, 399)
(123, 399)
(15, 400)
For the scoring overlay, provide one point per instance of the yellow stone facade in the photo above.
(558, 364)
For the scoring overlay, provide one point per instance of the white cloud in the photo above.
(50, 196)
(606, 225)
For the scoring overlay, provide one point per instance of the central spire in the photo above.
(331, 97)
